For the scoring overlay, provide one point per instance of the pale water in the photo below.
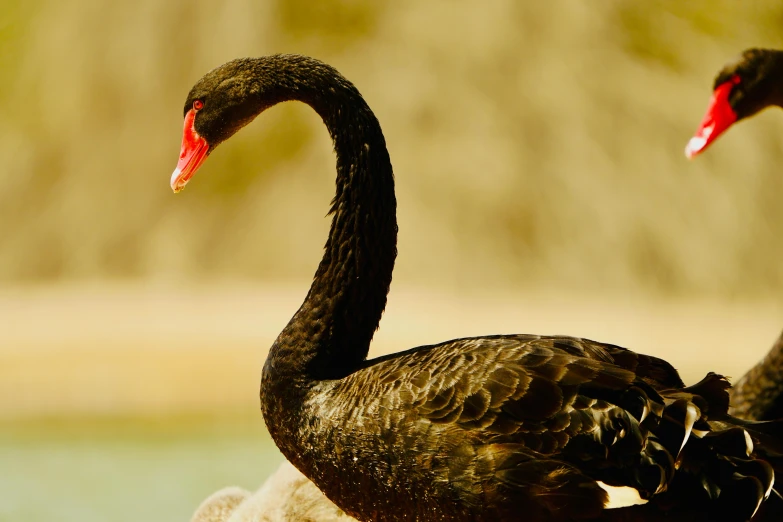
(126, 470)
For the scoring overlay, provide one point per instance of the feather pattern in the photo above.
(522, 424)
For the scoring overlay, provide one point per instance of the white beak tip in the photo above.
(694, 146)
(176, 183)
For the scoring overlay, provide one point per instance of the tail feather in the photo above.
(713, 390)
(748, 479)
(768, 435)
(725, 463)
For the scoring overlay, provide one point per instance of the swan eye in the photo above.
(198, 105)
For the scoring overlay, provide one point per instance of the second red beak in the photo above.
(719, 117)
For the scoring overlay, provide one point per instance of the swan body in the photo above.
(480, 429)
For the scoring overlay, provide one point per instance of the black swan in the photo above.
(744, 86)
(488, 429)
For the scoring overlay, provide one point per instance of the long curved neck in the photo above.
(330, 334)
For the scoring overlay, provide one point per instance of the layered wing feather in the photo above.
(529, 423)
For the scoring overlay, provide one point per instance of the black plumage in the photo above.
(494, 428)
(758, 395)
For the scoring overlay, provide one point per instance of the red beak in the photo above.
(191, 156)
(719, 117)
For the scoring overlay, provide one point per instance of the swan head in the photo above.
(742, 88)
(226, 99)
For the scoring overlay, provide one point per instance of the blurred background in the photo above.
(542, 188)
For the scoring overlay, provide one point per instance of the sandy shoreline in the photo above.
(132, 350)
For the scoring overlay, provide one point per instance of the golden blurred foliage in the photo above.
(534, 143)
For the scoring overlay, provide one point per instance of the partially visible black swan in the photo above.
(505, 427)
(743, 87)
